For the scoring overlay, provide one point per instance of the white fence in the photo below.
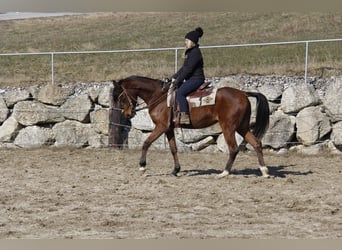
(176, 49)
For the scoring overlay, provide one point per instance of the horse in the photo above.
(232, 110)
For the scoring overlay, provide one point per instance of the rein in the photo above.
(131, 99)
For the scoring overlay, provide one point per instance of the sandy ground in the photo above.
(86, 193)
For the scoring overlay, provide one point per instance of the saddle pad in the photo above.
(198, 100)
(207, 98)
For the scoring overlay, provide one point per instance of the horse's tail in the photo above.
(262, 114)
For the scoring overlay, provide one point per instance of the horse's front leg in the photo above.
(147, 143)
(173, 147)
(142, 162)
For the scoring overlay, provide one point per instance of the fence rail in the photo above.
(176, 49)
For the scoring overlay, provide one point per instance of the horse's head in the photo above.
(124, 100)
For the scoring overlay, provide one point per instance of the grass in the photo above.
(115, 31)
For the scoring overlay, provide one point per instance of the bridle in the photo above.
(131, 100)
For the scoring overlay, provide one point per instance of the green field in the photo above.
(140, 30)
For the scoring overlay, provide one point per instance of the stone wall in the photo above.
(54, 115)
(306, 117)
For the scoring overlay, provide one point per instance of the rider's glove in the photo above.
(174, 83)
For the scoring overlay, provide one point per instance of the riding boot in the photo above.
(184, 118)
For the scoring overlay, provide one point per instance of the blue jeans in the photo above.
(186, 88)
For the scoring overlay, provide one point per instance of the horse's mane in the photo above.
(142, 79)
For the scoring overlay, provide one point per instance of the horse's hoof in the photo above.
(142, 169)
(176, 174)
(223, 174)
(264, 172)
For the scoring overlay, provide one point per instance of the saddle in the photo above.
(203, 96)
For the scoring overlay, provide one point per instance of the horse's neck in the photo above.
(150, 97)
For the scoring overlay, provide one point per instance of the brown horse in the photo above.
(232, 110)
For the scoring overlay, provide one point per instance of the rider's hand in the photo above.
(173, 83)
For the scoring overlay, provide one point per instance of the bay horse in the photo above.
(232, 110)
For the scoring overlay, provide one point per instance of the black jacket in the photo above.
(192, 67)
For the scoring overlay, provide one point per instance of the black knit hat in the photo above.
(195, 35)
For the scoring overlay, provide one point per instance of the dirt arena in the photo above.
(51, 193)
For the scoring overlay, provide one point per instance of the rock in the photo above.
(283, 151)
(202, 143)
(34, 90)
(195, 135)
(229, 82)
(72, 133)
(96, 140)
(297, 97)
(100, 120)
(312, 125)
(273, 107)
(103, 98)
(77, 108)
(296, 148)
(332, 148)
(34, 136)
(271, 91)
(314, 149)
(332, 100)
(3, 110)
(336, 135)
(9, 129)
(94, 92)
(222, 145)
(253, 102)
(54, 94)
(13, 96)
(280, 131)
(29, 113)
(142, 121)
(136, 139)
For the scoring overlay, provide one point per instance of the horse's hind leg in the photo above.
(233, 148)
(256, 144)
(173, 147)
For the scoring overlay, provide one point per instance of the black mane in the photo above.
(142, 79)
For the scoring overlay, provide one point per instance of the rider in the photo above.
(191, 75)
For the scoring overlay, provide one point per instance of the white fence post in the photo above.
(176, 60)
(52, 69)
(306, 60)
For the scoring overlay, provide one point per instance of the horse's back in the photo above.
(231, 90)
(232, 96)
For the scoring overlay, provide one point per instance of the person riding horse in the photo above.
(191, 75)
(232, 108)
